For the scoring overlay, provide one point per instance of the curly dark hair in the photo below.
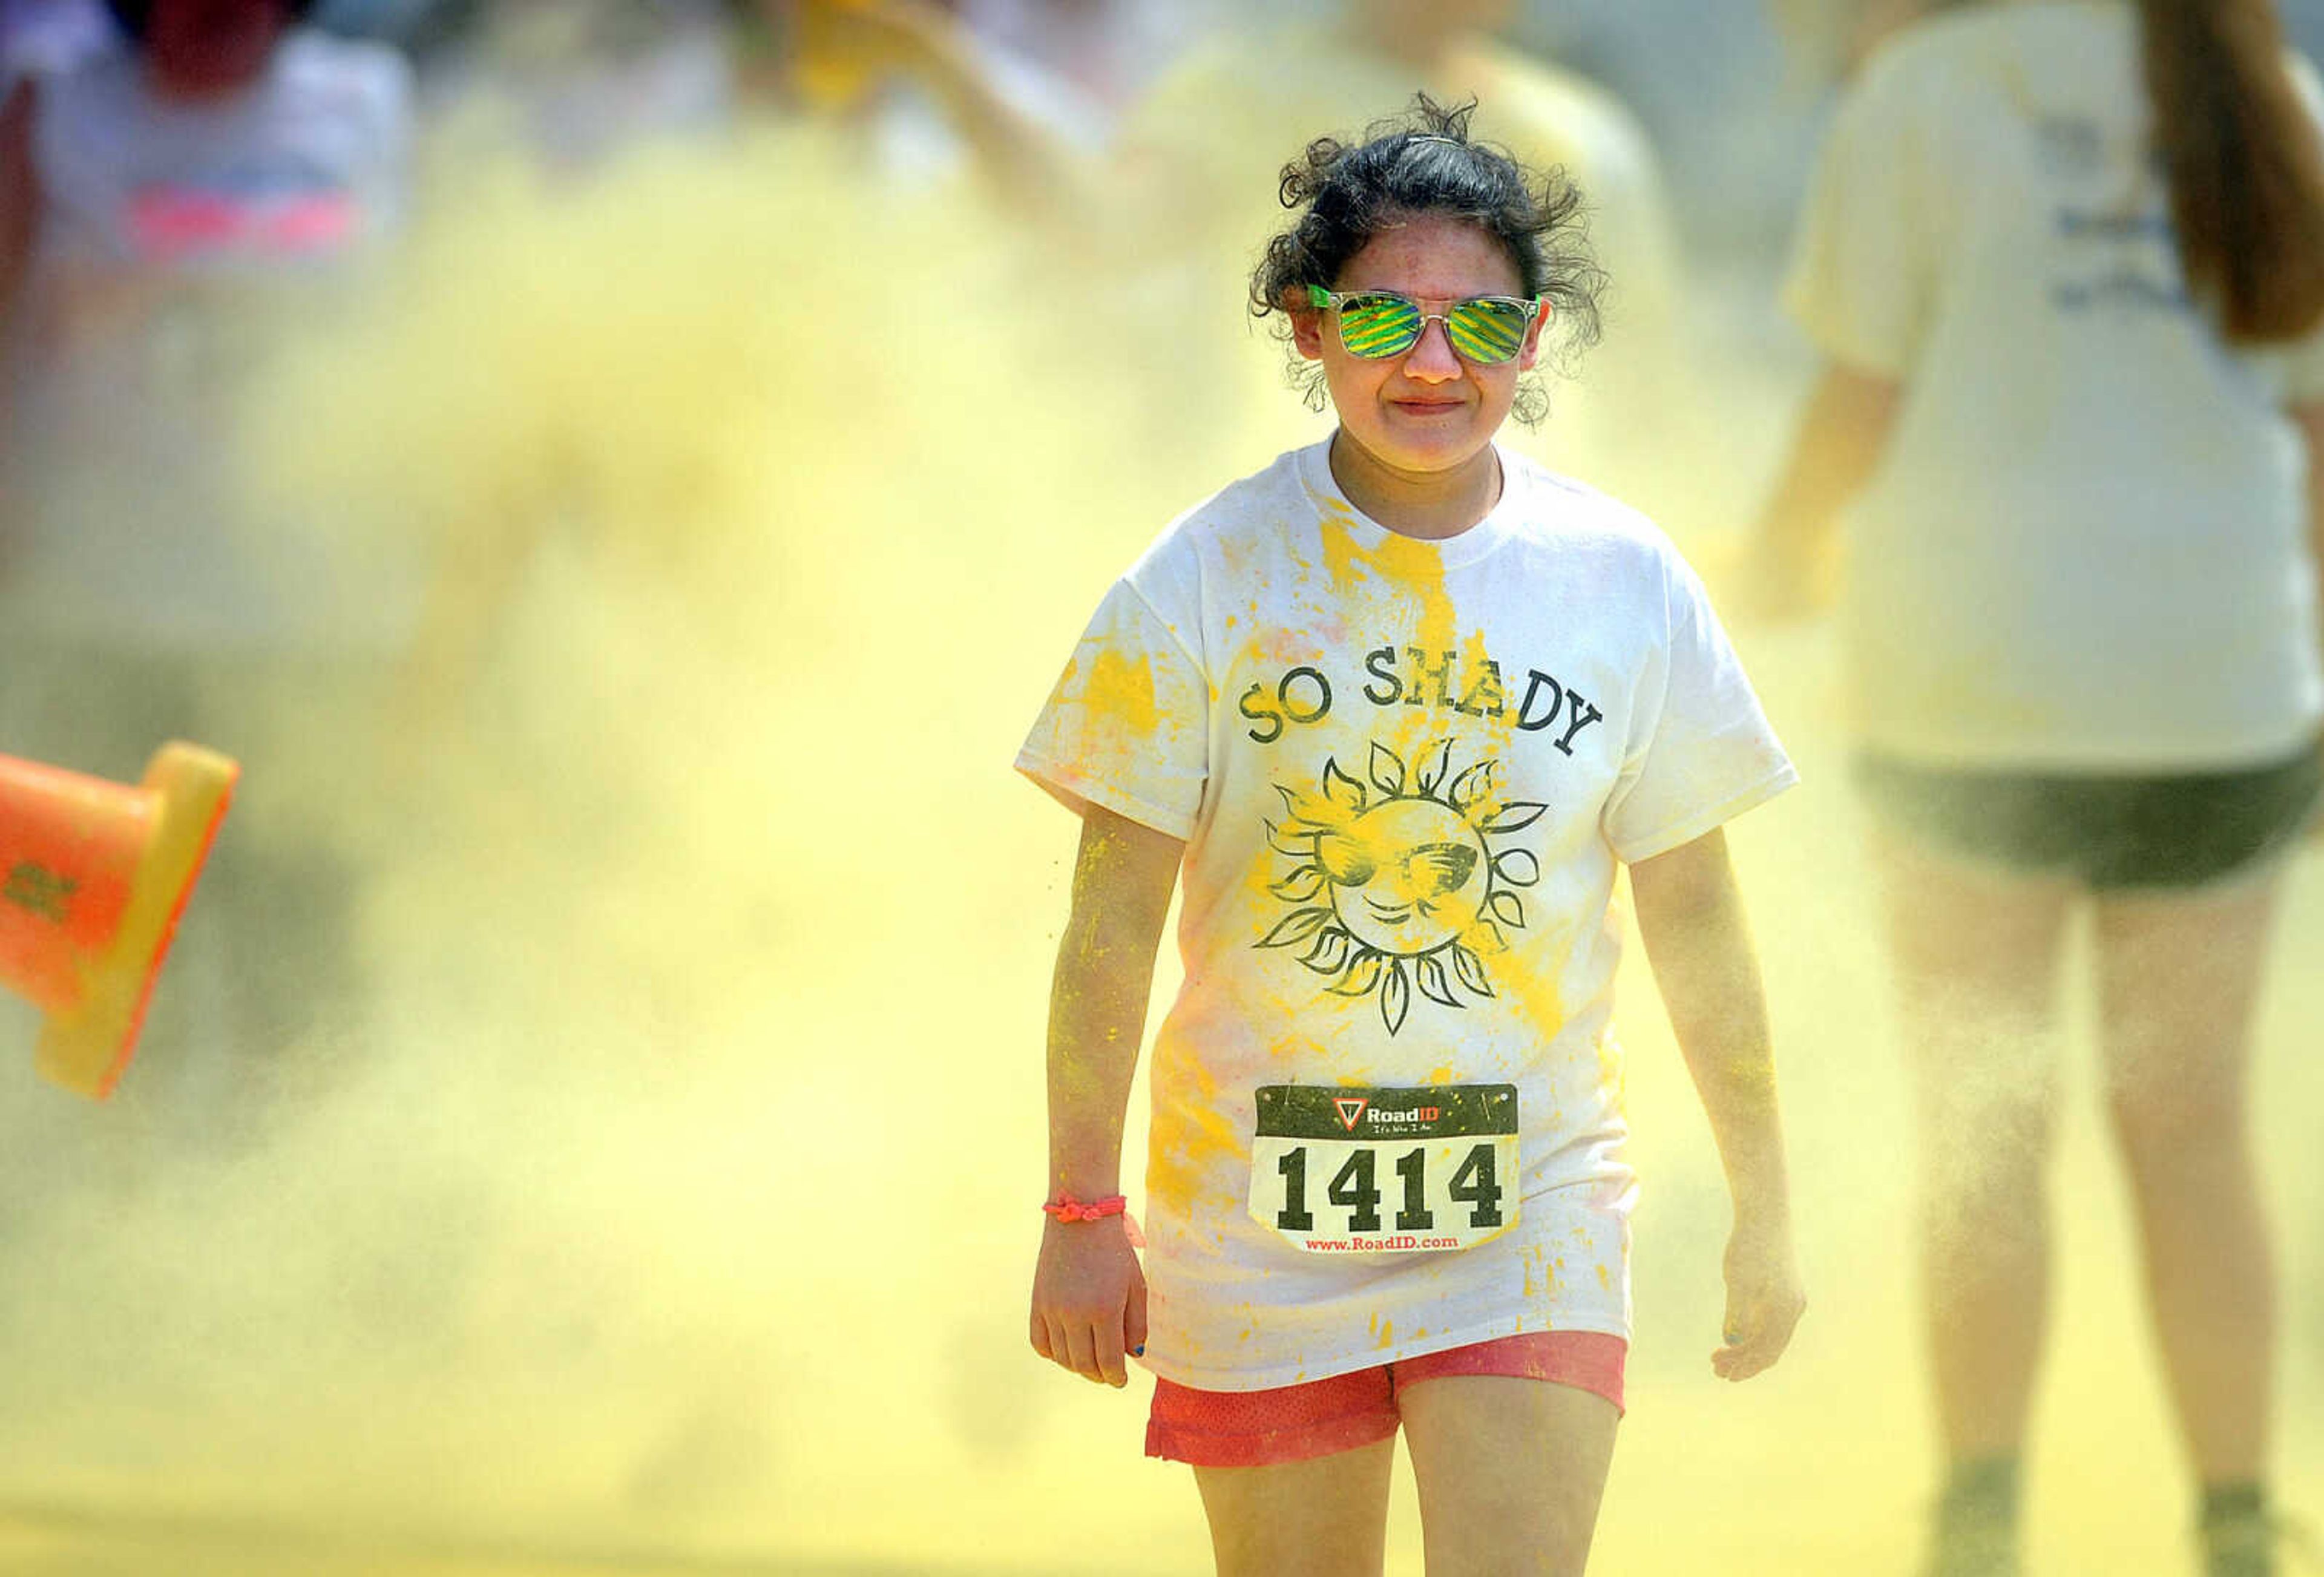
(1425, 164)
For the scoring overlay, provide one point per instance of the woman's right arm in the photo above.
(1841, 437)
(1089, 1296)
(20, 193)
(2310, 418)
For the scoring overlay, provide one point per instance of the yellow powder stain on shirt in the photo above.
(1383, 1331)
(1189, 1142)
(1605, 1276)
(1298, 1048)
(1122, 692)
(1485, 694)
(1398, 569)
(1343, 556)
(1533, 991)
(1609, 1068)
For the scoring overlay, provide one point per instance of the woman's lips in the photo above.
(1428, 406)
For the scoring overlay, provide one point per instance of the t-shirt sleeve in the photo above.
(1128, 725)
(1862, 277)
(1700, 751)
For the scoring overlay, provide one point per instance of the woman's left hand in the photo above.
(1764, 1299)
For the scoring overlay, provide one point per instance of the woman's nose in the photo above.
(1430, 357)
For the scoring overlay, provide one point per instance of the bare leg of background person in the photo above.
(1975, 954)
(2179, 975)
(1324, 1517)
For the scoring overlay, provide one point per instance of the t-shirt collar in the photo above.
(1451, 552)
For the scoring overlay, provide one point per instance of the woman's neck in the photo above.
(1429, 504)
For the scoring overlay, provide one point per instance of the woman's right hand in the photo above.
(1089, 1298)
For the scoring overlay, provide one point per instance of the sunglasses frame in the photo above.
(1322, 299)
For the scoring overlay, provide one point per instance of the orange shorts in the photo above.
(1289, 1423)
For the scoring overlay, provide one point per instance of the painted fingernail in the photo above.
(1138, 1350)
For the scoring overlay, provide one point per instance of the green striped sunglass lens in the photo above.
(1488, 329)
(1373, 326)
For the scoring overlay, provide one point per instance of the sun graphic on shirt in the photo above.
(1394, 882)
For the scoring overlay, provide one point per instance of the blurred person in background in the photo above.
(2065, 261)
(576, 83)
(1207, 133)
(1311, 700)
(174, 207)
(930, 98)
(38, 39)
(42, 37)
(1836, 37)
(1100, 55)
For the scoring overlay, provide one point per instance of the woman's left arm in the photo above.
(1691, 917)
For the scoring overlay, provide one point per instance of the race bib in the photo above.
(1353, 1171)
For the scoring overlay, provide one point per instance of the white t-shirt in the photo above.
(2086, 548)
(47, 38)
(1405, 771)
(180, 244)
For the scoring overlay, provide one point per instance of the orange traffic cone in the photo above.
(93, 877)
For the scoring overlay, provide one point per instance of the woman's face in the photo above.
(1426, 411)
(204, 47)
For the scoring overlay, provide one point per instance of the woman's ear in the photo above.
(1531, 352)
(1306, 323)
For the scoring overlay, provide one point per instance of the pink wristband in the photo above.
(1065, 1207)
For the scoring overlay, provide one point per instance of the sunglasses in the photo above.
(1375, 325)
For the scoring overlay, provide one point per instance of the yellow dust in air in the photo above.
(666, 1199)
